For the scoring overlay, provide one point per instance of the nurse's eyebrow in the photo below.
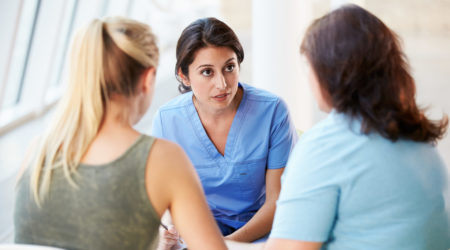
(231, 59)
(205, 65)
(210, 65)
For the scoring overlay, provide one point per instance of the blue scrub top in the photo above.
(261, 137)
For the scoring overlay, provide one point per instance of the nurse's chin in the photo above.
(218, 106)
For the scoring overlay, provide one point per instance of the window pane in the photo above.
(18, 60)
(63, 42)
(116, 8)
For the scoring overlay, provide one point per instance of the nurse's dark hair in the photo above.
(199, 34)
(359, 62)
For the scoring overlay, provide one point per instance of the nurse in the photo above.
(237, 136)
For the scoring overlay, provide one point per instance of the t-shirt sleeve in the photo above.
(307, 205)
(282, 137)
(157, 129)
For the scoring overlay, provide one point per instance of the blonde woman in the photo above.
(92, 181)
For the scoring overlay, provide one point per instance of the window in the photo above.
(64, 36)
(22, 47)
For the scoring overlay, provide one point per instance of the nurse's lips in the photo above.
(221, 97)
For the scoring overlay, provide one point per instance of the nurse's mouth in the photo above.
(221, 97)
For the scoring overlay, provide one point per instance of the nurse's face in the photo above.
(213, 77)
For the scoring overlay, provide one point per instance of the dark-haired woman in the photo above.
(369, 175)
(237, 136)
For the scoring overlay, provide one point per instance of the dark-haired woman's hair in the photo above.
(358, 60)
(203, 33)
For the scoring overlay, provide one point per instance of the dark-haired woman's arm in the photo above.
(292, 244)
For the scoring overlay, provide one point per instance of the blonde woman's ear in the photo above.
(148, 82)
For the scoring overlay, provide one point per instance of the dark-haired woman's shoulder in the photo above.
(327, 141)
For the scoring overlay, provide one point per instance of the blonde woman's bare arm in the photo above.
(174, 183)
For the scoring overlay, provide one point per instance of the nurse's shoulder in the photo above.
(173, 108)
(178, 102)
(265, 102)
(257, 94)
(172, 111)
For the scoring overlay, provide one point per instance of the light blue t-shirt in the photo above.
(260, 138)
(356, 191)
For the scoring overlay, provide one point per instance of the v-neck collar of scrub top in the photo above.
(232, 133)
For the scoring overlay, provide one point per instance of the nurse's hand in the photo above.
(168, 239)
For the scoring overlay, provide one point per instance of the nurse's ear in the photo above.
(183, 78)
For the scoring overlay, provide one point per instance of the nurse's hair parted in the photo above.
(107, 57)
(200, 34)
(359, 62)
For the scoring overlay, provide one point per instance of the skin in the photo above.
(213, 78)
(322, 97)
(171, 180)
(286, 244)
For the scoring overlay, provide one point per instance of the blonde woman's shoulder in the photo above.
(169, 172)
(165, 153)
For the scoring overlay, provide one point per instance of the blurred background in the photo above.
(35, 36)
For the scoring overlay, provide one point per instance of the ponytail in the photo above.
(106, 56)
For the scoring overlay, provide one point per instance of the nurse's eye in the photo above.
(206, 72)
(230, 67)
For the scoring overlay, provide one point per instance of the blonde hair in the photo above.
(106, 57)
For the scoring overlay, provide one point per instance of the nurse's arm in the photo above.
(261, 223)
(286, 244)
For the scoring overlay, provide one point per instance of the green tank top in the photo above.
(110, 208)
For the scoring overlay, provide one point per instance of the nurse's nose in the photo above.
(220, 82)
